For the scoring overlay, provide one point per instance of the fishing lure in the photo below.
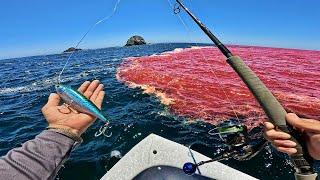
(82, 104)
(79, 102)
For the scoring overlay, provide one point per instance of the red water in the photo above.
(197, 82)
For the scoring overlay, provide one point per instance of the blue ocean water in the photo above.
(26, 83)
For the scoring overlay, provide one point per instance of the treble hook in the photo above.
(176, 8)
(102, 131)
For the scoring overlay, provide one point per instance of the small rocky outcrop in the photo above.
(71, 50)
(135, 40)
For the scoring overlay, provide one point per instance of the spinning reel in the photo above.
(239, 145)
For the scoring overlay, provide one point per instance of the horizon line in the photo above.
(227, 44)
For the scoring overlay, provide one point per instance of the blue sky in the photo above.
(37, 27)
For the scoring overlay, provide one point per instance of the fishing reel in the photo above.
(239, 145)
(237, 139)
(231, 133)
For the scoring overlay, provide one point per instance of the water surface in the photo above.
(26, 83)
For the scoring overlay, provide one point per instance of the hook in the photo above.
(102, 131)
(64, 107)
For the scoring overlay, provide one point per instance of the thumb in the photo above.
(309, 125)
(53, 100)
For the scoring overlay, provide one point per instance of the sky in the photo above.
(37, 27)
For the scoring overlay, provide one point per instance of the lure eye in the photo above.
(59, 88)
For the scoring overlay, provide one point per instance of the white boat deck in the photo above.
(159, 153)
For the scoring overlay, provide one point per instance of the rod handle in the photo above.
(273, 109)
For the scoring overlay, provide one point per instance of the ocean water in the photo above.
(199, 84)
(26, 83)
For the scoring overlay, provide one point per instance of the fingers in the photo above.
(84, 87)
(99, 99)
(289, 151)
(309, 125)
(91, 88)
(96, 92)
(53, 100)
(279, 139)
(272, 134)
(93, 91)
(268, 125)
(284, 143)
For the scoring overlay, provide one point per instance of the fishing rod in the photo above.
(271, 106)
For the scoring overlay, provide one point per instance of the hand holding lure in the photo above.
(79, 102)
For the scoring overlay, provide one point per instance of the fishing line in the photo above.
(103, 129)
(175, 7)
(219, 82)
(85, 34)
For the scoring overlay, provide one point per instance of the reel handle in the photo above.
(189, 168)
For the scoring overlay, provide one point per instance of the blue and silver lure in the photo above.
(79, 102)
(82, 104)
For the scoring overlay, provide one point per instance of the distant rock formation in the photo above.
(135, 40)
(71, 50)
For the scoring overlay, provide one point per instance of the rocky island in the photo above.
(71, 50)
(135, 40)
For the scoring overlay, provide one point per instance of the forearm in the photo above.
(40, 158)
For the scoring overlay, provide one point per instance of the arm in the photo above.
(42, 157)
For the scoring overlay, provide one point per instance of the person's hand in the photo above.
(309, 127)
(66, 117)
